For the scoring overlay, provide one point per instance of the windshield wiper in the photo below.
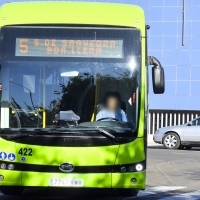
(107, 134)
(104, 130)
(86, 128)
(114, 129)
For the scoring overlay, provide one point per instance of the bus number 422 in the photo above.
(25, 152)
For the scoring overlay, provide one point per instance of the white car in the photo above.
(183, 136)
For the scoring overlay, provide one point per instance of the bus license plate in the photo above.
(63, 182)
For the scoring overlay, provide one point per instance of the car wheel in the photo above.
(171, 141)
(12, 190)
(128, 192)
(181, 147)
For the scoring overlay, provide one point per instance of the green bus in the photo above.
(74, 96)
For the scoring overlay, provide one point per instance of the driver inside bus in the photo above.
(112, 108)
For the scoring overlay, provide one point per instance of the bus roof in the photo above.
(83, 13)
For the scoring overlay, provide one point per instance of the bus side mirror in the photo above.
(158, 76)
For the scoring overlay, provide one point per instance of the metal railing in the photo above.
(162, 118)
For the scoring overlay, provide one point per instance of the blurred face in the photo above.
(112, 103)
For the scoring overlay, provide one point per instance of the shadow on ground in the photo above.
(58, 193)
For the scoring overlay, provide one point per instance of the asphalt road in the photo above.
(171, 175)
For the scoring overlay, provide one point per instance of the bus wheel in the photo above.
(128, 192)
(12, 190)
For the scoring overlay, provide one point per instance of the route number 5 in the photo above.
(23, 46)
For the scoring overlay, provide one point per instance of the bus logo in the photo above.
(66, 167)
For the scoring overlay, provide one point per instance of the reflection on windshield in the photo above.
(33, 93)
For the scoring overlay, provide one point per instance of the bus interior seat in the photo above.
(123, 106)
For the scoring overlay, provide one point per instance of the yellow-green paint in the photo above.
(79, 156)
(124, 180)
(143, 89)
(11, 178)
(98, 180)
(131, 153)
(79, 13)
(72, 13)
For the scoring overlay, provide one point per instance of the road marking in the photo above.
(190, 195)
(155, 190)
(1, 194)
(164, 174)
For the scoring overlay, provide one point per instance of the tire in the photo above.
(181, 147)
(171, 141)
(12, 190)
(128, 192)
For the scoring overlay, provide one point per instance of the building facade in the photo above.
(181, 62)
(161, 118)
(175, 40)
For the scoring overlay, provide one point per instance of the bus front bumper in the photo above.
(85, 180)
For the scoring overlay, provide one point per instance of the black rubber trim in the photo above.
(70, 141)
(77, 169)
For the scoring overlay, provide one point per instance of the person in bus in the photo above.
(112, 108)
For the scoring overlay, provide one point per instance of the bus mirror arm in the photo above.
(158, 76)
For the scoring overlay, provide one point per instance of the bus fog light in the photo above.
(131, 169)
(133, 180)
(1, 178)
(11, 166)
(139, 167)
(123, 169)
(3, 166)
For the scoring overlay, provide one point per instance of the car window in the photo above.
(196, 122)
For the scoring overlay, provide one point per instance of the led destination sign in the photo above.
(69, 48)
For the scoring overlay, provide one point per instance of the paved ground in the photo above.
(171, 175)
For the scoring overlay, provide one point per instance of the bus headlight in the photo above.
(11, 167)
(3, 166)
(123, 169)
(131, 169)
(139, 167)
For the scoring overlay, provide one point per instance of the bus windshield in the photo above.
(91, 73)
